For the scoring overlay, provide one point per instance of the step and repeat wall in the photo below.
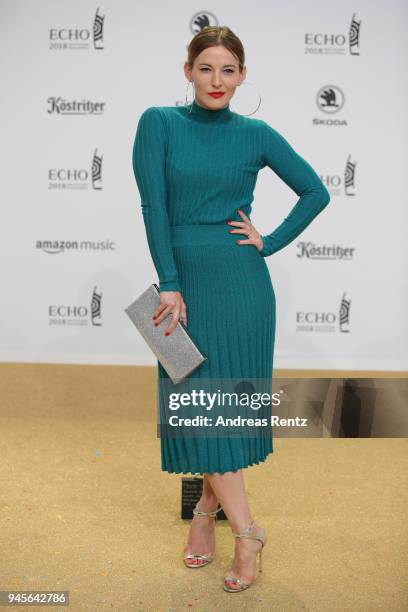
(75, 78)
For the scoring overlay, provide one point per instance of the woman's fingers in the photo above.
(173, 304)
(173, 322)
(169, 310)
(183, 315)
(243, 230)
(158, 312)
(243, 215)
(246, 227)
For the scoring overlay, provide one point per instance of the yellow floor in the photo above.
(85, 507)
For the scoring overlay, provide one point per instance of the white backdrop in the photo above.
(75, 78)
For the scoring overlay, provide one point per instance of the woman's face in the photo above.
(215, 69)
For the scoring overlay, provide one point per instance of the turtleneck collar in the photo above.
(205, 114)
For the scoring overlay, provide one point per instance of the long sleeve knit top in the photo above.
(194, 165)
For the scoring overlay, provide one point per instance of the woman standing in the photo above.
(196, 168)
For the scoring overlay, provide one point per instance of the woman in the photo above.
(196, 168)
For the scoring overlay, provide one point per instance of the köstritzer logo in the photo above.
(61, 106)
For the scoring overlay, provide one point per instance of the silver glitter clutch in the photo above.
(177, 353)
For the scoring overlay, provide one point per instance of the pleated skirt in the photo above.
(230, 303)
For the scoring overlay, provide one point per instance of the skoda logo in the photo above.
(330, 99)
(202, 19)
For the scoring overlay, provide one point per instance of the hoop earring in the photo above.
(259, 104)
(186, 103)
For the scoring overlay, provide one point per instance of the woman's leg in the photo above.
(201, 537)
(208, 501)
(230, 491)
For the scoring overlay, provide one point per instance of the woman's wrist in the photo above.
(170, 285)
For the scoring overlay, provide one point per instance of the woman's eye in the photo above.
(227, 70)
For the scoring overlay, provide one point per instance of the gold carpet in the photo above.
(86, 508)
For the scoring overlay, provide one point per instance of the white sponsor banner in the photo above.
(75, 79)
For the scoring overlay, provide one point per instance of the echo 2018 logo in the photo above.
(323, 43)
(71, 315)
(325, 321)
(63, 39)
(77, 178)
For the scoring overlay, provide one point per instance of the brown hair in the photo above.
(212, 36)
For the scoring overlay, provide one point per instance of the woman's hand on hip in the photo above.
(171, 302)
(246, 227)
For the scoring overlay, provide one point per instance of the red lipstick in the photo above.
(216, 94)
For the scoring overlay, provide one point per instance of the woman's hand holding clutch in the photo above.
(171, 302)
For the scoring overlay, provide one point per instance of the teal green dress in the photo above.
(194, 168)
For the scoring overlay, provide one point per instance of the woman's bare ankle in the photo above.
(207, 503)
(241, 524)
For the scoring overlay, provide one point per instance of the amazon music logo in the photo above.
(202, 19)
(69, 38)
(309, 250)
(68, 315)
(324, 43)
(325, 321)
(61, 106)
(77, 178)
(56, 247)
(345, 184)
(330, 100)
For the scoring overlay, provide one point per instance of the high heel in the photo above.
(200, 560)
(259, 535)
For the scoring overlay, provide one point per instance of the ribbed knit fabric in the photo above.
(194, 168)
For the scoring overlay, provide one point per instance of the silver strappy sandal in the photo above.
(193, 560)
(259, 535)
